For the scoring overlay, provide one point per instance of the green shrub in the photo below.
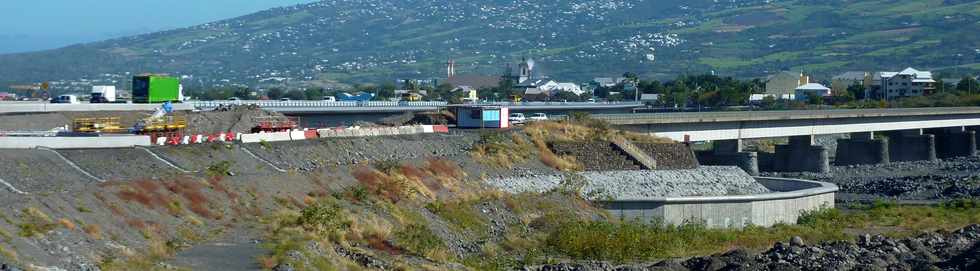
(462, 215)
(219, 169)
(323, 218)
(419, 240)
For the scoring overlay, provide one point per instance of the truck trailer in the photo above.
(156, 89)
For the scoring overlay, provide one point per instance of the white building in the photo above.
(804, 91)
(569, 87)
(906, 83)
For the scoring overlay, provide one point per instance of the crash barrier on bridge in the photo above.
(790, 199)
(64, 142)
(35, 107)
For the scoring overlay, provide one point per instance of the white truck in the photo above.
(65, 99)
(103, 94)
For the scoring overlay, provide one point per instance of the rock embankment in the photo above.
(956, 250)
(670, 155)
(596, 155)
(638, 184)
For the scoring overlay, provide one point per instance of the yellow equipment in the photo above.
(515, 98)
(162, 124)
(97, 125)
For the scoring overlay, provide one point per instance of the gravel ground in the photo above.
(119, 164)
(703, 181)
(956, 250)
(920, 181)
(313, 154)
(239, 119)
(198, 158)
(35, 171)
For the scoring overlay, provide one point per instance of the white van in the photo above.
(65, 99)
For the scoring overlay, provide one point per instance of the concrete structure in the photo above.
(906, 83)
(954, 141)
(790, 199)
(52, 142)
(799, 155)
(730, 153)
(903, 128)
(481, 116)
(785, 82)
(911, 145)
(862, 149)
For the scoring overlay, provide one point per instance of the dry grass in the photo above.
(67, 224)
(93, 231)
(497, 150)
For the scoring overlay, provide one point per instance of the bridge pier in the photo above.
(954, 142)
(801, 155)
(729, 153)
(911, 145)
(862, 149)
(976, 131)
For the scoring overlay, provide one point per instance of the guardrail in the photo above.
(328, 104)
(784, 114)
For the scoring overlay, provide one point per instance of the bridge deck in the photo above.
(737, 116)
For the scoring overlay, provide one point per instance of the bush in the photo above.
(222, 168)
(419, 240)
(323, 218)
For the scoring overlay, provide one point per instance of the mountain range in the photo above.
(355, 41)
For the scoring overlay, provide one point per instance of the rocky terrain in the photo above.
(957, 250)
(639, 184)
(921, 181)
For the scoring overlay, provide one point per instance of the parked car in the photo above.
(329, 99)
(284, 99)
(538, 117)
(517, 118)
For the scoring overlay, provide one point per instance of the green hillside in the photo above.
(359, 41)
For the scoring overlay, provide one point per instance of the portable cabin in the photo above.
(471, 116)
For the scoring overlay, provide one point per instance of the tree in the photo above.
(386, 91)
(857, 91)
(295, 95)
(274, 93)
(313, 94)
(567, 96)
(968, 84)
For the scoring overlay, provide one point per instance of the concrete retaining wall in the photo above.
(11, 142)
(793, 197)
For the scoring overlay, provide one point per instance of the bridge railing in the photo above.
(313, 104)
(318, 104)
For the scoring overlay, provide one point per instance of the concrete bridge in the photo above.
(348, 107)
(876, 135)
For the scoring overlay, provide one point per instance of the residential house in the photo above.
(840, 83)
(570, 87)
(606, 82)
(785, 83)
(906, 83)
(803, 92)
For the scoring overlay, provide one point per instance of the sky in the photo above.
(33, 25)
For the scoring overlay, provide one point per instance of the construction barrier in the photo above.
(440, 129)
(267, 137)
(297, 135)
